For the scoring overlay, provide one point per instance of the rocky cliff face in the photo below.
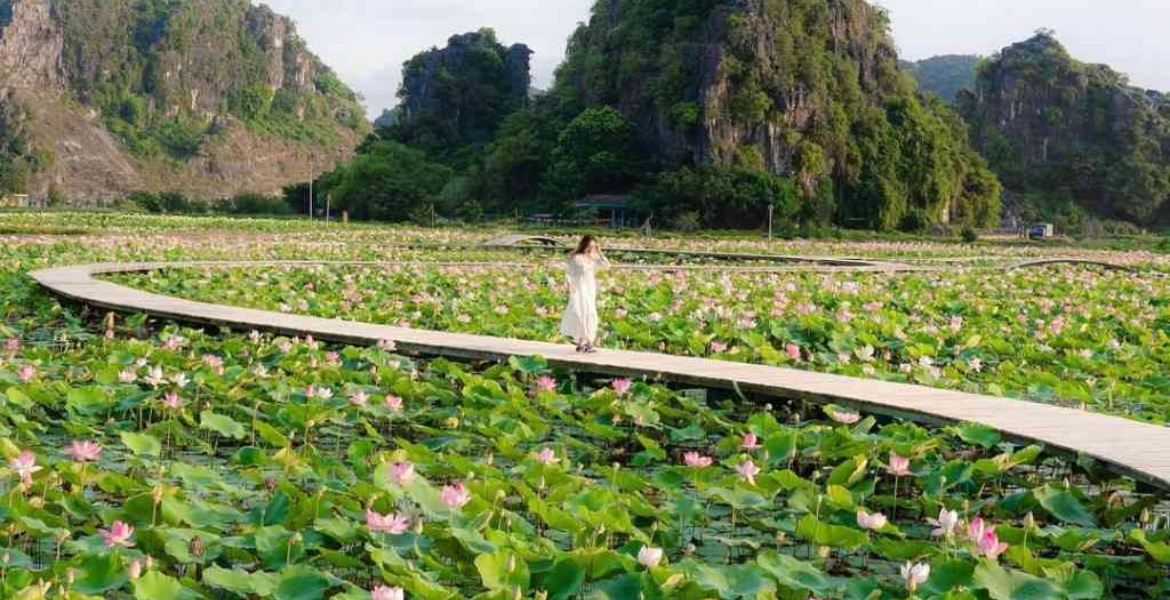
(461, 92)
(206, 97)
(1058, 129)
(788, 86)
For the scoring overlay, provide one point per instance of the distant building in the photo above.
(1041, 231)
(15, 201)
(612, 210)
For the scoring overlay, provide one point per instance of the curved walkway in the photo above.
(1139, 450)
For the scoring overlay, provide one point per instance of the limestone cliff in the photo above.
(1059, 130)
(206, 97)
(807, 89)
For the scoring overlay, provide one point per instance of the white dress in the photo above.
(580, 320)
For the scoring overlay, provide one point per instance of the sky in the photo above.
(366, 41)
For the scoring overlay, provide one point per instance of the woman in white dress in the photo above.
(580, 320)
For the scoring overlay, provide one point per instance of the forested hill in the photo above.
(944, 76)
(207, 97)
(706, 112)
(1069, 138)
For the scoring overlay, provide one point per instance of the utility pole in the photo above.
(771, 210)
(310, 187)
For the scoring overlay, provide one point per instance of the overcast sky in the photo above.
(367, 41)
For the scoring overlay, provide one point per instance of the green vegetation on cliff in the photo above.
(1070, 139)
(162, 72)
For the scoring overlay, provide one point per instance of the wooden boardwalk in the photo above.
(1136, 449)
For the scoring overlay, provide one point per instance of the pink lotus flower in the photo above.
(394, 403)
(696, 460)
(382, 592)
(25, 465)
(899, 465)
(128, 376)
(649, 557)
(359, 399)
(84, 452)
(748, 471)
(718, 347)
(621, 386)
(845, 417)
(873, 522)
(990, 546)
(976, 528)
(387, 345)
(26, 373)
(172, 401)
(12, 344)
(750, 442)
(118, 534)
(394, 524)
(455, 496)
(401, 473)
(793, 351)
(547, 457)
(945, 524)
(545, 383)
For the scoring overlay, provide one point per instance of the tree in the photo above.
(594, 154)
(386, 182)
(720, 197)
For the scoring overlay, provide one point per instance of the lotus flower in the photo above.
(394, 403)
(154, 377)
(84, 452)
(12, 344)
(845, 417)
(545, 383)
(976, 528)
(134, 570)
(360, 399)
(394, 524)
(621, 386)
(899, 465)
(748, 471)
(990, 546)
(26, 373)
(750, 442)
(127, 376)
(172, 401)
(873, 522)
(25, 465)
(946, 523)
(793, 351)
(455, 496)
(401, 473)
(649, 557)
(915, 575)
(547, 457)
(696, 460)
(118, 534)
(382, 592)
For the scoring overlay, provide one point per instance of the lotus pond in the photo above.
(1068, 335)
(151, 462)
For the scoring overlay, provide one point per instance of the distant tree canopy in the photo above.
(388, 181)
(945, 76)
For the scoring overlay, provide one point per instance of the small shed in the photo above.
(612, 210)
(1041, 231)
(15, 201)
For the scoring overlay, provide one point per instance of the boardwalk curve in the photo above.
(1136, 449)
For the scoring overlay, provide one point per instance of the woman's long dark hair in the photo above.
(583, 247)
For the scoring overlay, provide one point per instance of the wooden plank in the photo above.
(1137, 449)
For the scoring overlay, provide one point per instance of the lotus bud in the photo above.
(6, 558)
(295, 540)
(270, 484)
(63, 536)
(196, 548)
(418, 526)
(540, 486)
(1145, 516)
(781, 538)
(156, 495)
(135, 569)
(824, 551)
(501, 494)
(70, 576)
(511, 563)
(541, 595)
(690, 550)
(1029, 520)
(517, 594)
(491, 458)
(1066, 484)
(149, 562)
(36, 502)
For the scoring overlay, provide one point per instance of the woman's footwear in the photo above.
(581, 347)
(590, 349)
